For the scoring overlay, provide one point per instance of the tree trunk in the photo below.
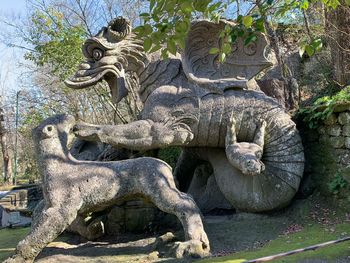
(291, 87)
(5, 150)
(337, 26)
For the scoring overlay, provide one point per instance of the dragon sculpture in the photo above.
(208, 108)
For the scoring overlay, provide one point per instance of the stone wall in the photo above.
(327, 153)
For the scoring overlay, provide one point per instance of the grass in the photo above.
(9, 239)
(311, 234)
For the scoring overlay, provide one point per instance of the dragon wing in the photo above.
(204, 69)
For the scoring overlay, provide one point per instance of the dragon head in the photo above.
(110, 55)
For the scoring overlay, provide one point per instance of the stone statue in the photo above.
(74, 188)
(209, 108)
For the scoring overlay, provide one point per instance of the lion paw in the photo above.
(86, 132)
(191, 248)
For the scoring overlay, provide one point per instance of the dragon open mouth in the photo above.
(114, 77)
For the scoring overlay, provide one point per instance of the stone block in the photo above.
(321, 130)
(332, 119)
(137, 220)
(346, 130)
(324, 138)
(347, 142)
(341, 107)
(342, 156)
(334, 130)
(344, 118)
(116, 221)
(337, 142)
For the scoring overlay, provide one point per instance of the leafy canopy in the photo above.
(55, 43)
(167, 22)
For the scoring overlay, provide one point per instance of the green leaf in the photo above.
(151, 4)
(309, 50)
(180, 41)
(240, 33)
(147, 44)
(139, 30)
(147, 29)
(250, 38)
(170, 6)
(201, 5)
(304, 4)
(317, 44)
(222, 57)
(155, 48)
(214, 50)
(144, 15)
(171, 46)
(260, 25)
(332, 3)
(181, 27)
(214, 7)
(247, 21)
(233, 37)
(186, 7)
(347, 2)
(226, 48)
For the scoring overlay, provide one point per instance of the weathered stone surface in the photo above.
(334, 130)
(332, 119)
(189, 102)
(321, 130)
(137, 219)
(347, 142)
(337, 142)
(346, 130)
(205, 191)
(74, 188)
(285, 93)
(344, 118)
(342, 156)
(324, 138)
(341, 107)
(116, 220)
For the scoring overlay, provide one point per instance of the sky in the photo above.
(10, 57)
(9, 6)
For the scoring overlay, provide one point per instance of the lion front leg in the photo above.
(138, 135)
(52, 222)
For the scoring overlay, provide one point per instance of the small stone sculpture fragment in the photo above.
(73, 188)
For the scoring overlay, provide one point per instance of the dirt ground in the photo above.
(227, 234)
(233, 238)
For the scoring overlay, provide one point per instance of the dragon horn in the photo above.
(118, 29)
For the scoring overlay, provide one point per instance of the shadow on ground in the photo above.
(227, 234)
